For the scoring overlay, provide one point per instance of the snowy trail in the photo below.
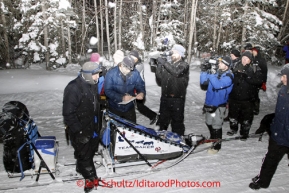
(233, 167)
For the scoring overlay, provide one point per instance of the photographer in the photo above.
(173, 77)
(220, 84)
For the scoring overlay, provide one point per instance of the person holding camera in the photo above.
(241, 99)
(173, 78)
(219, 85)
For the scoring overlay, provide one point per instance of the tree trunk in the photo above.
(140, 20)
(153, 28)
(69, 44)
(192, 28)
(284, 21)
(5, 37)
(101, 26)
(83, 28)
(114, 27)
(45, 34)
(219, 37)
(119, 25)
(244, 23)
(107, 29)
(96, 25)
(62, 38)
(215, 29)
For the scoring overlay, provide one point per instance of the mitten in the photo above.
(161, 61)
(263, 87)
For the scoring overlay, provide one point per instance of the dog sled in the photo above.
(25, 150)
(127, 143)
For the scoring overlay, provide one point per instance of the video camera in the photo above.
(162, 51)
(154, 56)
(211, 64)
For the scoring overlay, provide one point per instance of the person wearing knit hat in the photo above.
(81, 115)
(248, 55)
(248, 46)
(141, 107)
(118, 57)
(179, 49)
(241, 110)
(122, 86)
(215, 102)
(236, 53)
(173, 76)
(279, 138)
(235, 56)
(259, 63)
(94, 57)
(90, 72)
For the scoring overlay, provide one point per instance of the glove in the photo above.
(161, 61)
(263, 87)
(204, 67)
(82, 138)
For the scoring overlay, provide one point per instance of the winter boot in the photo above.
(89, 185)
(210, 127)
(154, 120)
(233, 127)
(216, 134)
(256, 106)
(245, 129)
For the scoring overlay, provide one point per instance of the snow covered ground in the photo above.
(233, 167)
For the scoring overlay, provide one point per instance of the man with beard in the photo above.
(173, 78)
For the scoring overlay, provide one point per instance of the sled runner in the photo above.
(24, 148)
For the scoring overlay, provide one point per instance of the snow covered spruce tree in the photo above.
(43, 33)
(225, 24)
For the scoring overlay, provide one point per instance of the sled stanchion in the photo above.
(141, 156)
(42, 164)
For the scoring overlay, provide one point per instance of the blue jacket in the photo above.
(280, 124)
(286, 50)
(219, 87)
(116, 85)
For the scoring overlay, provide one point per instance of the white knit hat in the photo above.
(118, 56)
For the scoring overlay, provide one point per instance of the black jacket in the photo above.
(245, 82)
(173, 78)
(261, 62)
(81, 107)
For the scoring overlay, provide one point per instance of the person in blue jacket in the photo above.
(279, 138)
(220, 84)
(120, 84)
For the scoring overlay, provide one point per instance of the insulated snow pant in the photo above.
(84, 153)
(172, 111)
(143, 109)
(216, 119)
(272, 158)
(241, 112)
(128, 115)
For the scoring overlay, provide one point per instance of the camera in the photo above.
(154, 55)
(211, 64)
